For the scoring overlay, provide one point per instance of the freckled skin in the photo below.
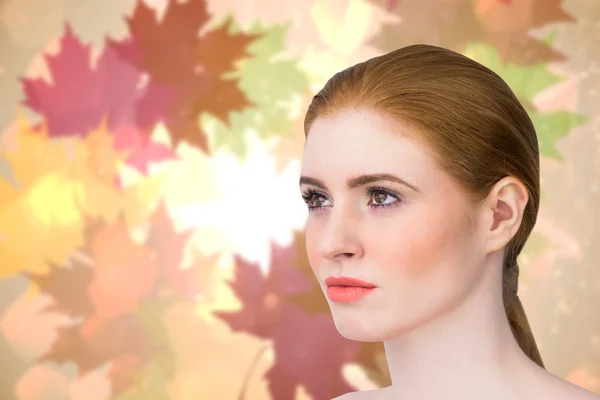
(419, 253)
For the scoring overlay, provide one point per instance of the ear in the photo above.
(503, 212)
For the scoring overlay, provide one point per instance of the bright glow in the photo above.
(234, 206)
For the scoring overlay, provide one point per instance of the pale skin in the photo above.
(435, 258)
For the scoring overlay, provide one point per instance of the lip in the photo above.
(345, 290)
(347, 281)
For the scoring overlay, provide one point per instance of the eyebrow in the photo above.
(360, 181)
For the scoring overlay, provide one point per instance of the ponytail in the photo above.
(516, 313)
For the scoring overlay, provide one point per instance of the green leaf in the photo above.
(550, 126)
(527, 82)
(272, 83)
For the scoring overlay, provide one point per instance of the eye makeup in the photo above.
(309, 195)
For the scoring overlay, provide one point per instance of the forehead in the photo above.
(358, 142)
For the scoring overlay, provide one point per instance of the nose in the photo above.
(340, 238)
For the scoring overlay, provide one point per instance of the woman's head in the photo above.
(454, 131)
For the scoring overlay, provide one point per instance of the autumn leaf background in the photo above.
(149, 210)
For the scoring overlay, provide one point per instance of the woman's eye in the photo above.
(319, 202)
(380, 196)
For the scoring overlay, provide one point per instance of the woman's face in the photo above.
(414, 244)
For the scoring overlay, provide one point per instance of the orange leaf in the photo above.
(125, 272)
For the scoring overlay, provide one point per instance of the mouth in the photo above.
(345, 290)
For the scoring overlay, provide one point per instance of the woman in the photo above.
(421, 175)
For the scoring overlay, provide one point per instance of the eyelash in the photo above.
(308, 194)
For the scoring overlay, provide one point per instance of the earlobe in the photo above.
(506, 203)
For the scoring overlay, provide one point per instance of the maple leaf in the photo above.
(271, 83)
(125, 272)
(144, 151)
(169, 246)
(172, 53)
(117, 260)
(99, 151)
(430, 21)
(507, 25)
(58, 182)
(312, 301)
(309, 351)
(90, 348)
(302, 341)
(68, 286)
(38, 217)
(504, 25)
(526, 83)
(81, 96)
(551, 126)
(263, 297)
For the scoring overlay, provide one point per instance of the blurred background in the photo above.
(149, 207)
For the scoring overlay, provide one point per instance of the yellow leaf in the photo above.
(60, 182)
(40, 225)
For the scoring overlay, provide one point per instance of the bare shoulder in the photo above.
(574, 392)
(555, 388)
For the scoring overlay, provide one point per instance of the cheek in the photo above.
(423, 247)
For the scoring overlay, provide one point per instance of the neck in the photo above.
(467, 353)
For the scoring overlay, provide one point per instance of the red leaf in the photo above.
(128, 137)
(81, 96)
(172, 53)
(263, 296)
(309, 351)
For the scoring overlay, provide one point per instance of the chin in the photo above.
(364, 327)
(360, 330)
